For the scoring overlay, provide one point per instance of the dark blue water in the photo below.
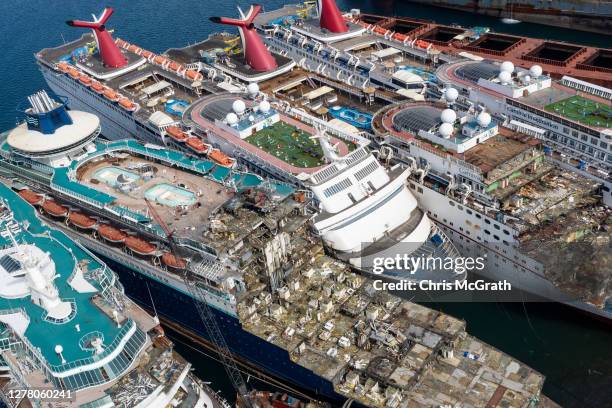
(574, 352)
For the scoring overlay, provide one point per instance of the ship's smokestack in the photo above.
(109, 52)
(330, 17)
(256, 54)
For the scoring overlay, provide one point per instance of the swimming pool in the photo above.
(115, 176)
(172, 196)
(354, 117)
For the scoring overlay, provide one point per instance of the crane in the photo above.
(206, 315)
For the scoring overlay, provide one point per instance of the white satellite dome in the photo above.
(264, 106)
(451, 94)
(483, 119)
(231, 118)
(446, 130)
(535, 71)
(448, 116)
(251, 118)
(238, 106)
(505, 77)
(507, 66)
(253, 89)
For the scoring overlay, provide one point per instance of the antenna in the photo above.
(255, 52)
(109, 52)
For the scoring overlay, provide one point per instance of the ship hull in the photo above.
(576, 15)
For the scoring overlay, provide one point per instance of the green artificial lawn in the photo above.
(583, 110)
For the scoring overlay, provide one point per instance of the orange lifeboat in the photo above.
(193, 75)
(127, 104)
(82, 220)
(173, 261)
(31, 197)
(159, 60)
(139, 245)
(380, 30)
(85, 80)
(98, 87)
(220, 157)
(111, 95)
(121, 43)
(63, 66)
(422, 44)
(147, 54)
(111, 233)
(54, 209)
(173, 66)
(400, 37)
(73, 73)
(135, 49)
(196, 144)
(177, 134)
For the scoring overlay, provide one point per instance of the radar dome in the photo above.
(526, 79)
(251, 118)
(451, 94)
(446, 130)
(505, 77)
(253, 89)
(264, 106)
(535, 71)
(238, 107)
(507, 66)
(448, 116)
(483, 119)
(231, 118)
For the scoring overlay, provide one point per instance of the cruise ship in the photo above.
(196, 99)
(496, 188)
(69, 335)
(182, 230)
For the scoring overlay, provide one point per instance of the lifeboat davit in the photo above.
(139, 245)
(173, 261)
(55, 209)
(31, 197)
(127, 104)
(111, 95)
(85, 80)
(111, 233)
(98, 87)
(196, 144)
(176, 133)
(81, 220)
(220, 158)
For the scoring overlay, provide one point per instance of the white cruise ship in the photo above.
(499, 192)
(194, 100)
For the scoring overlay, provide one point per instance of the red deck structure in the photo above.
(330, 17)
(109, 52)
(256, 54)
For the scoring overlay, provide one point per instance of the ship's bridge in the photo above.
(50, 133)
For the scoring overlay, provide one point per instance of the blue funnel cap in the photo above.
(45, 114)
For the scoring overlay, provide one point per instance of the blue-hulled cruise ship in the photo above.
(68, 333)
(287, 310)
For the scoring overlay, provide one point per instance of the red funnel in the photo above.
(330, 17)
(111, 56)
(255, 52)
